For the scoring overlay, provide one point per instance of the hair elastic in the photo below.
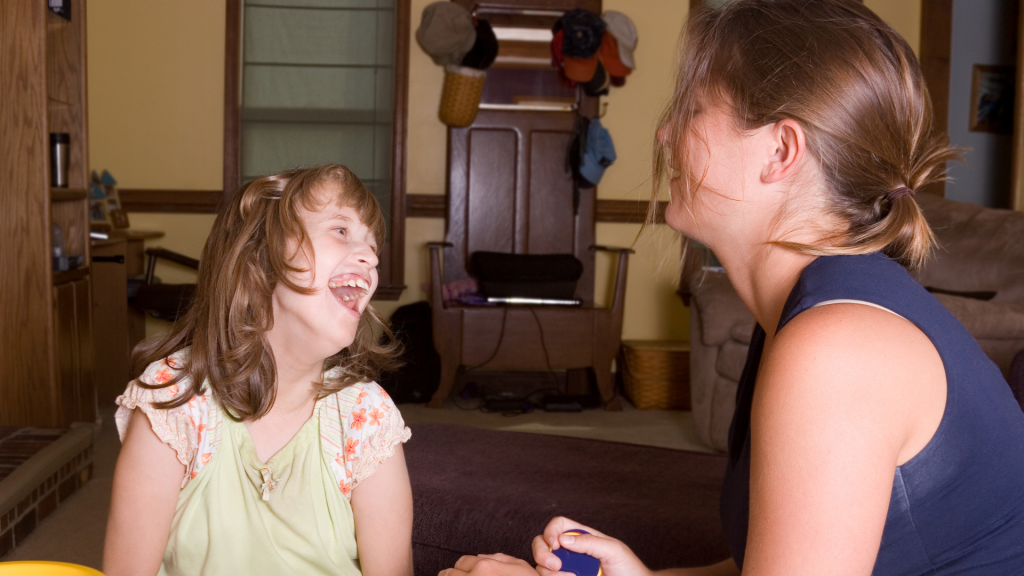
(898, 193)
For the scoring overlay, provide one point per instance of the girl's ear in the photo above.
(788, 147)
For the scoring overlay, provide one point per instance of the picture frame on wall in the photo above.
(992, 99)
(120, 219)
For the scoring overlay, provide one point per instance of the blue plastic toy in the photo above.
(576, 562)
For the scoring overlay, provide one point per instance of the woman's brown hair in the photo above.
(854, 86)
(245, 257)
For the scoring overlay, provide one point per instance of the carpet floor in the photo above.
(74, 532)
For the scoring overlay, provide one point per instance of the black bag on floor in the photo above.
(418, 378)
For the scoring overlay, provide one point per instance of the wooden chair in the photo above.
(510, 191)
(164, 301)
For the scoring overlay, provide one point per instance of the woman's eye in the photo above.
(343, 231)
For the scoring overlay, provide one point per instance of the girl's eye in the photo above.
(344, 231)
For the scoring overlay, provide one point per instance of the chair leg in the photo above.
(449, 369)
(606, 385)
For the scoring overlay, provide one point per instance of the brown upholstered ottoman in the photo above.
(481, 491)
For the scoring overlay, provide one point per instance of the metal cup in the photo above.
(60, 146)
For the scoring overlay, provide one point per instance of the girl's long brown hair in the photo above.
(852, 83)
(245, 257)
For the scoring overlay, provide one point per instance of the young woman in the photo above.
(871, 434)
(254, 438)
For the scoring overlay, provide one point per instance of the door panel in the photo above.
(551, 220)
(491, 204)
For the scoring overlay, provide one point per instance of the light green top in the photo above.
(290, 515)
(222, 525)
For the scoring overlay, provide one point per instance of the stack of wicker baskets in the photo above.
(656, 373)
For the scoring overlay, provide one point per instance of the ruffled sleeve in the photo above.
(184, 428)
(368, 428)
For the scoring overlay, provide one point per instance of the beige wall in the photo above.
(156, 93)
(156, 73)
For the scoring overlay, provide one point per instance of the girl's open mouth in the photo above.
(348, 289)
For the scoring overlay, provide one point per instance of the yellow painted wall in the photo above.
(903, 15)
(156, 99)
(156, 73)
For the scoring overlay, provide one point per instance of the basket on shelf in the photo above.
(656, 373)
(460, 96)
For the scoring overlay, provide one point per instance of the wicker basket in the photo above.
(656, 374)
(460, 96)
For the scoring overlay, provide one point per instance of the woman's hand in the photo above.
(616, 558)
(490, 565)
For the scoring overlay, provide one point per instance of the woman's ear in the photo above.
(787, 153)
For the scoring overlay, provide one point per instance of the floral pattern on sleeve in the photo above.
(360, 427)
(192, 429)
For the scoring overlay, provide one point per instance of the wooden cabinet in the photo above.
(46, 358)
(110, 318)
(73, 329)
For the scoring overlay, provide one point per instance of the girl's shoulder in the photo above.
(192, 428)
(360, 427)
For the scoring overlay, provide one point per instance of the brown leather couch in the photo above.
(977, 273)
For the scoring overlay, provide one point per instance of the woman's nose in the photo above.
(664, 133)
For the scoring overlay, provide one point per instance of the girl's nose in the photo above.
(366, 255)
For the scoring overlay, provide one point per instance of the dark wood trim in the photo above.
(627, 211)
(232, 95)
(394, 275)
(426, 206)
(170, 201)
(621, 211)
(389, 292)
(935, 50)
(416, 206)
(1017, 183)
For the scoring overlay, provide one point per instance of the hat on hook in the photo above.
(580, 69)
(484, 50)
(583, 33)
(609, 55)
(622, 28)
(558, 61)
(446, 32)
(600, 153)
(598, 85)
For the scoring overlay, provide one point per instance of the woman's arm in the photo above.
(382, 505)
(724, 568)
(846, 393)
(147, 481)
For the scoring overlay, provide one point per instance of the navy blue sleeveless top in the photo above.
(957, 507)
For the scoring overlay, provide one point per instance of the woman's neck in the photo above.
(764, 276)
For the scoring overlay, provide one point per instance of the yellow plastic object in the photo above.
(46, 569)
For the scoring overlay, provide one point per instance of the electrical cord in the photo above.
(483, 393)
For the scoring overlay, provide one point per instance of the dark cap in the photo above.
(598, 85)
(583, 33)
(484, 50)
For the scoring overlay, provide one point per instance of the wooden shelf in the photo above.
(70, 275)
(68, 194)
